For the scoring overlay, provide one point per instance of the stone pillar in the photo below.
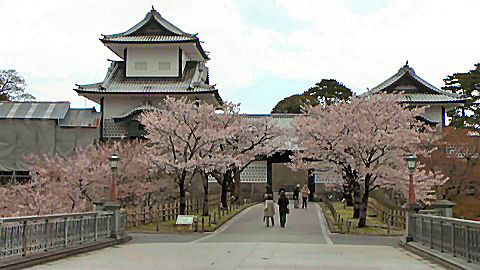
(444, 208)
(269, 176)
(114, 207)
(311, 185)
(410, 209)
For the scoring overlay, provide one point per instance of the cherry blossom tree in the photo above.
(249, 138)
(72, 184)
(185, 136)
(369, 135)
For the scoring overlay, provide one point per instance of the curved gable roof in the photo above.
(152, 19)
(426, 92)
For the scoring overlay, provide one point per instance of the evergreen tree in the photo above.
(325, 92)
(329, 91)
(468, 86)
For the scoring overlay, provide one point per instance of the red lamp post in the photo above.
(411, 160)
(114, 160)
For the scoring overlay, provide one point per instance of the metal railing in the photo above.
(23, 236)
(460, 238)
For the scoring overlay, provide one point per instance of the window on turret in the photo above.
(140, 65)
(163, 65)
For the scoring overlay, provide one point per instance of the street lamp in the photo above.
(114, 160)
(411, 160)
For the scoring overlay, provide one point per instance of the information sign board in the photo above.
(184, 220)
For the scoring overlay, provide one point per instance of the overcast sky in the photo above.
(261, 50)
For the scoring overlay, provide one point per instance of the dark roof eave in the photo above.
(146, 42)
(215, 92)
(217, 96)
(428, 102)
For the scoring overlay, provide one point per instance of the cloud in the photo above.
(54, 44)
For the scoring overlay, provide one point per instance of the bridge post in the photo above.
(444, 208)
(114, 207)
(410, 210)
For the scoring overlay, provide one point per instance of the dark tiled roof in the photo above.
(428, 98)
(162, 30)
(116, 82)
(140, 108)
(426, 120)
(149, 39)
(434, 94)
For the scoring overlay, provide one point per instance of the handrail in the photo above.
(53, 216)
(452, 220)
(458, 237)
(24, 236)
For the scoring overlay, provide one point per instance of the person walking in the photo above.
(305, 191)
(283, 208)
(296, 196)
(269, 210)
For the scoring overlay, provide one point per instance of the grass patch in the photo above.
(375, 226)
(170, 227)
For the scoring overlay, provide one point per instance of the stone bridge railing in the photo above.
(31, 235)
(451, 240)
(458, 237)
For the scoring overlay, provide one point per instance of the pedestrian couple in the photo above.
(296, 198)
(269, 209)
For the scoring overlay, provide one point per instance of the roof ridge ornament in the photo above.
(406, 68)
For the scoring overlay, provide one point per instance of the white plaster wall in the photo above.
(434, 112)
(152, 56)
(115, 105)
(184, 59)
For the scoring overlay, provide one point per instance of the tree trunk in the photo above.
(362, 222)
(227, 178)
(357, 199)
(205, 194)
(348, 188)
(181, 186)
(347, 194)
(237, 191)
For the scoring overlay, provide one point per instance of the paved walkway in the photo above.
(245, 243)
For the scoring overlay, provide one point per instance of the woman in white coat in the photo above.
(269, 210)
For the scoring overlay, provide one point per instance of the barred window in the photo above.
(140, 65)
(163, 65)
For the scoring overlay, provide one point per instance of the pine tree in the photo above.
(325, 92)
(468, 86)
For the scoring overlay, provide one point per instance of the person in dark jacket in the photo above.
(296, 194)
(283, 208)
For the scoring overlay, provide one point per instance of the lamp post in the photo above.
(114, 160)
(411, 160)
